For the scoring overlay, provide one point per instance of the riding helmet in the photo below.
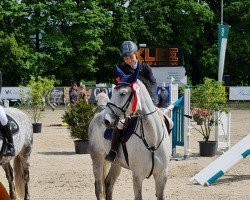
(128, 48)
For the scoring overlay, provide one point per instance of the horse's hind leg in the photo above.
(113, 174)
(21, 171)
(9, 175)
(160, 183)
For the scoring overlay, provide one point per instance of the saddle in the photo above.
(127, 132)
(164, 119)
(14, 127)
(132, 126)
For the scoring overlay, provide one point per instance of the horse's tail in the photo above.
(19, 176)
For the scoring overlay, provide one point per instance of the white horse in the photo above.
(148, 148)
(23, 141)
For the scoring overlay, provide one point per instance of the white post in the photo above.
(222, 130)
(173, 88)
(173, 93)
(186, 123)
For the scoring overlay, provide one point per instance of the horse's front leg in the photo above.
(113, 174)
(9, 175)
(99, 171)
(160, 183)
(137, 185)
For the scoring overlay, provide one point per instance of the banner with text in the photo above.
(223, 31)
(239, 93)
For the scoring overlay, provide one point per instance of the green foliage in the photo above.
(32, 101)
(78, 118)
(88, 83)
(208, 98)
(77, 40)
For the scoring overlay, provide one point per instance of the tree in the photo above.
(14, 48)
(237, 62)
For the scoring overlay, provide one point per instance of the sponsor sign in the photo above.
(57, 95)
(12, 92)
(239, 93)
(166, 74)
(223, 31)
(159, 57)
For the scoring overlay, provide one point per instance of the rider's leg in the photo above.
(115, 142)
(5, 127)
(10, 150)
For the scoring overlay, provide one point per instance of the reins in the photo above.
(123, 109)
(152, 149)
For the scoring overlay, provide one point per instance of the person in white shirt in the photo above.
(102, 99)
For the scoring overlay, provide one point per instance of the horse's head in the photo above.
(123, 103)
(125, 99)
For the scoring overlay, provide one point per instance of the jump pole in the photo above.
(217, 168)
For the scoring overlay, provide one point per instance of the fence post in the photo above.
(186, 123)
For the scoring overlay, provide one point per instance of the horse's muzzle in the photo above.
(108, 121)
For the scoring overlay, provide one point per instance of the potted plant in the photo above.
(33, 99)
(78, 118)
(206, 99)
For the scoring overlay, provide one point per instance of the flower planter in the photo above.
(37, 127)
(81, 147)
(207, 149)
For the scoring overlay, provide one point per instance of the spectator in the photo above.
(73, 93)
(83, 93)
(163, 97)
(102, 99)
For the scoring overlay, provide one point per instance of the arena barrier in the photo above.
(180, 113)
(217, 168)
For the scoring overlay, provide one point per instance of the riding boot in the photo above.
(9, 150)
(115, 142)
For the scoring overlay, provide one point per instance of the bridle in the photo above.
(124, 108)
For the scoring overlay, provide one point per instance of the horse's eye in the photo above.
(123, 93)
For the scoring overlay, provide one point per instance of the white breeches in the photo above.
(3, 117)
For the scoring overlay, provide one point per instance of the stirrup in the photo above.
(111, 156)
(9, 150)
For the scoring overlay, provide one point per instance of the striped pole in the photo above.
(227, 167)
(218, 167)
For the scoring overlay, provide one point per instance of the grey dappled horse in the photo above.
(23, 144)
(148, 149)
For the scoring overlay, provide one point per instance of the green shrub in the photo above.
(78, 118)
(208, 98)
(32, 100)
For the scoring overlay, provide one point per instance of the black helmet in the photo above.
(128, 48)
